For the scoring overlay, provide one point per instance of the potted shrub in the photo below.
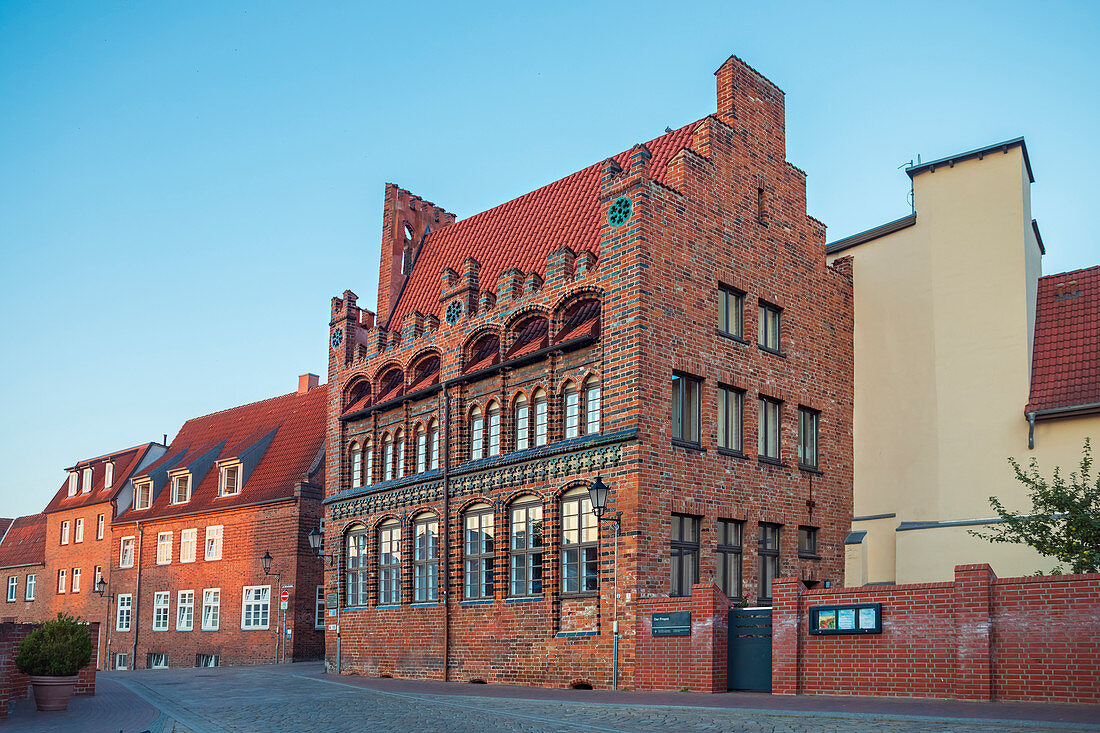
(52, 655)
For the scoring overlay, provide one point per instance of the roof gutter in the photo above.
(1054, 413)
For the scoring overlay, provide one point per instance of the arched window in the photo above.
(356, 460)
(368, 471)
(399, 442)
(492, 413)
(391, 385)
(357, 575)
(433, 442)
(592, 406)
(525, 548)
(579, 563)
(387, 457)
(539, 400)
(483, 352)
(389, 563)
(523, 423)
(477, 433)
(421, 449)
(479, 547)
(426, 558)
(571, 404)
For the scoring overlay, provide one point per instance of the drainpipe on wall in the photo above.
(1031, 431)
(135, 615)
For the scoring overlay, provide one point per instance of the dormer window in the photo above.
(73, 479)
(87, 481)
(143, 495)
(109, 475)
(181, 488)
(229, 484)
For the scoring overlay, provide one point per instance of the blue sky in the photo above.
(183, 186)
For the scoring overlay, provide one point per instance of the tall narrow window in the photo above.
(358, 577)
(426, 558)
(319, 609)
(571, 402)
(807, 543)
(399, 442)
(188, 544)
(685, 554)
(109, 475)
(526, 547)
(87, 481)
(368, 470)
(579, 544)
(181, 488)
(124, 607)
(807, 437)
(229, 480)
(126, 553)
(389, 563)
(185, 610)
(541, 418)
(421, 449)
(761, 206)
(65, 532)
(433, 442)
(214, 542)
(492, 415)
(477, 433)
(592, 406)
(685, 408)
(74, 479)
(479, 547)
(731, 311)
(164, 548)
(731, 411)
(99, 527)
(62, 576)
(32, 582)
(78, 530)
(143, 494)
(160, 610)
(256, 607)
(769, 559)
(97, 575)
(13, 587)
(769, 326)
(211, 608)
(76, 580)
(387, 457)
(729, 557)
(522, 423)
(768, 429)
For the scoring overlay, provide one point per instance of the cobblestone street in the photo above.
(298, 697)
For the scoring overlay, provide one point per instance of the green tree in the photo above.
(1064, 521)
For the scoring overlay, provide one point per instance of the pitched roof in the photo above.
(1065, 369)
(523, 231)
(125, 463)
(278, 442)
(25, 542)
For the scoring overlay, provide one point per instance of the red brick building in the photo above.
(185, 582)
(22, 566)
(664, 319)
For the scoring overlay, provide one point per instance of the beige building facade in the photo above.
(946, 302)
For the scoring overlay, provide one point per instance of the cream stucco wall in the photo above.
(944, 318)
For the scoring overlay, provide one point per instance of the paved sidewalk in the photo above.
(113, 708)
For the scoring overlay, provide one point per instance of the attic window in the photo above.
(181, 488)
(229, 483)
(73, 482)
(143, 494)
(109, 476)
(87, 481)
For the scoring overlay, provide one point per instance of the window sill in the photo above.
(771, 461)
(572, 634)
(387, 607)
(689, 445)
(255, 628)
(808, 556)
(731, 452)
(580, 596)
(476, 602)
(421, 604)
(773, 352)
(732, 337)
(811, 469)
(523, 599)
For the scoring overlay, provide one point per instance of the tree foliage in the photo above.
(60, 647)
(1064, 521)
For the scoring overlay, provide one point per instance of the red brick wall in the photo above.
(14, 685)
(977, 638)
(21, 610)
(696, 662)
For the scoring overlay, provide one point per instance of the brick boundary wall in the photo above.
(14, 685)
(697, 662)
(977, 638)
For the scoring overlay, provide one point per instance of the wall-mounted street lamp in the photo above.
(99, 587)
(280, 643)
(315, 538)
(597, 494)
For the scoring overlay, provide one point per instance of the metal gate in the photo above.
(749, 661)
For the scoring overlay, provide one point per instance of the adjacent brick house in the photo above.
(185, 583)
(664, 319)
(27, 594)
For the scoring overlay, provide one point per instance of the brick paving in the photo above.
(274, 699)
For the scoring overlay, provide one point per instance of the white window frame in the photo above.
(158, 660)
(13, 588)
(477, 433)
(492, 428)
(164, 548)
(433, 440)
(421, 449)
(99, 521)
(62, 577)
(255, 604)
(74, 483)
(211, 599)
(161, 610)
(571, 408)
(177, 482)
(213, 542)
(78, 530)
(122, 660)
(399, 440)
(86, 486)
(189, 542)
(32, 582)
(74, 582)
(185, 600)
(122, 545)
(591, 406)
(542, 417)
(523, 426)
(109, 475)
(319, 609)
(143, 495)
(124, 603)
(223, 479)
(65, 532)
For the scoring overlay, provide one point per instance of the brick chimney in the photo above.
(306, 382)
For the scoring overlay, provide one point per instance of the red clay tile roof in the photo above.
(126, 461)
(25, 542)
(583, 320)
(1065, 370)
(486, 353)
(295, 426)
(532, 337)
(521, 232)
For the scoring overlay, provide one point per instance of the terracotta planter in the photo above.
(53, 693)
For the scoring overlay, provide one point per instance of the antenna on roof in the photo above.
(909, 197)
(164, 441)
